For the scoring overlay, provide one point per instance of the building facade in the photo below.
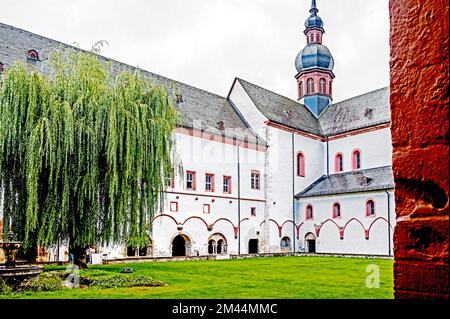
(263, 173)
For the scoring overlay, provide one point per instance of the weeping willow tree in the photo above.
(83, 153)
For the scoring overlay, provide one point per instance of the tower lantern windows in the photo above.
(322, 86)
(310, 86)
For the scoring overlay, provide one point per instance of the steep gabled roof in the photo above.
(362, 111)
(380, 178)
(280, 109)
(200, 108)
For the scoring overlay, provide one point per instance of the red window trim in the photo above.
(367, 208)
(212, 182)
(312, 212)
(229, 184)
(259, 179)
(301, 168)
(176, 207)
(336, 170)
(340, 210)
(194, 180)
(354, 159)
(208, 209)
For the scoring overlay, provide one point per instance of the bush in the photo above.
(47, 281)
(103, 279)
(5, 290)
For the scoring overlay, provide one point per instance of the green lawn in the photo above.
(260, 278)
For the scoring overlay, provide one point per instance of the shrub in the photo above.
(47, 281)
(102, 279)
(5, 290)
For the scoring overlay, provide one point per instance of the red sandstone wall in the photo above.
(420, 120)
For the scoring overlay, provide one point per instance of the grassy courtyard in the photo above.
(260, 278)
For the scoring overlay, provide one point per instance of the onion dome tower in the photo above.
(314, 66)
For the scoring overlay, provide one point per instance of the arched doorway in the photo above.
(285, 244)
(180, 246)
(217, 244)
(310, 240)
(253, 246)
(211, 247)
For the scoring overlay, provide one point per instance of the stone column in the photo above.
(420, 120)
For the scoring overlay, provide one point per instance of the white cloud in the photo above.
(206, 43)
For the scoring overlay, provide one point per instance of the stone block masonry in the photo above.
(420, 121)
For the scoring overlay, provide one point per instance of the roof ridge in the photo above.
(285, 97)
(110, 59)
(360, 95)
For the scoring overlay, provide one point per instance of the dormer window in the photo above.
(221, 125)
(369, 113)
(179, 98)
(32, 55)
(1, 67)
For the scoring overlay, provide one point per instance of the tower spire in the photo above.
(314, 66)
(314, 9)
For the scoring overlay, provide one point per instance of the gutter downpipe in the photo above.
(389, 222)
(293, 193)
(239, 197)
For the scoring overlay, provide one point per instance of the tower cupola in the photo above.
(314, 65)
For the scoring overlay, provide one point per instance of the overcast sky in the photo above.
(206, 43)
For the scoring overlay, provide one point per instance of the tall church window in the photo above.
(310, 86)
(309, 212)
(323, 86)
(370, 208)
(300, 164)
(336, 210)
(356, 160)
(339, 163)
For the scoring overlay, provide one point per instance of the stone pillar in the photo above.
(420, 121)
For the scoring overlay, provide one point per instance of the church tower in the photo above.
(314, 66)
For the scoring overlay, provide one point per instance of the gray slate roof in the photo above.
(366, 110)
(199, 106)
(208, 109)
(361, 111)
(281, 109)
(380, 178)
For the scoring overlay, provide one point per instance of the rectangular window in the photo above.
(206, 209)
(253, 211)
(169, 181)
(209, 182)
(255, 180)
(174, 207)
(190, 180)
(227, 184)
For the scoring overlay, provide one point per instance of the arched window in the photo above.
(336, 210)
(370, 208)
(330, 89)
(32, 55)
(300, 89)
(309, 212)
(285, 243)
(323, 86)
(339, 163)
(300, 164)
(310, 86)
(317, 37)
(356, 159)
